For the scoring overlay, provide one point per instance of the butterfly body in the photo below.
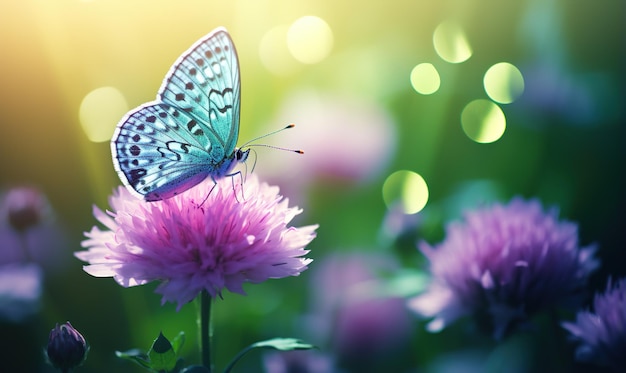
(189, 133)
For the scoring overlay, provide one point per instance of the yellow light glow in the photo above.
(425, 79)
(310, 39)
(483, 121)
(451, 43)
(503, 83)
(407, 188)
(100, 111)
(274, 53)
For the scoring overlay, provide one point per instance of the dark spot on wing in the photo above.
(136, 138)
(189, 85)
(208, 54)
(151, 119)
(135, 150)
(137, 174)
(179, 96)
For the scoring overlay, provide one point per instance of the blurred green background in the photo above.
(345, 78)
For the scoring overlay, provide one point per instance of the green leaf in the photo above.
(162, 355)
(137, 356)
(161, 345)
(178, 342)
(282, 344)
(195, 369)
(407, 282)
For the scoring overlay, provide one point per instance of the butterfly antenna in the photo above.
(256, 157)
(277, 148)
(249, 143)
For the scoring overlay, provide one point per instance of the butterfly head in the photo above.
(225, 168)
(241, 155)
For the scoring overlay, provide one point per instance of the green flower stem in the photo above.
(206, 332)
(236, 358)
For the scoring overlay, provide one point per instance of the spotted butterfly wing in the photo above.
(189, 133)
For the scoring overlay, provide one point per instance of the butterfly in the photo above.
(167, 146)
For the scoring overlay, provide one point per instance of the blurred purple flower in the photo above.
(374, 328)
(25, 207)
(504, 264)
(190, 245)
(353, 313)
(602, 333)
(29, 232)
(554, 93)
(20, 291)
(297, 361)
(344, 141)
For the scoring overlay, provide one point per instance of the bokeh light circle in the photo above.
(309, 39)
(503, 83)
(451, 43)
(425, 79)
(100, 111)
(274, 54)
(407, 188)
(483, 121)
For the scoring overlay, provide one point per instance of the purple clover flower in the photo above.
(190, 245)
(364, 325)
(25, 207)
(29, 232)
(328, 121)
(297, 361)
(602, 333)
(504, 264)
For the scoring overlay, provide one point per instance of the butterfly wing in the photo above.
(160, 151)
(204, 82)
(167, 146)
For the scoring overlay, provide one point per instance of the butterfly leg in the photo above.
(210, 191)
(232, 176)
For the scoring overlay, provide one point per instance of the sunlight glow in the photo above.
(310, 39)
(100, 111)
(407, 188)
(274, 53)
(503, 83)
(425, 79)
(451, 43)
(483, 121)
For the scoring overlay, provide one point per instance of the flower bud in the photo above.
(67, 348)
